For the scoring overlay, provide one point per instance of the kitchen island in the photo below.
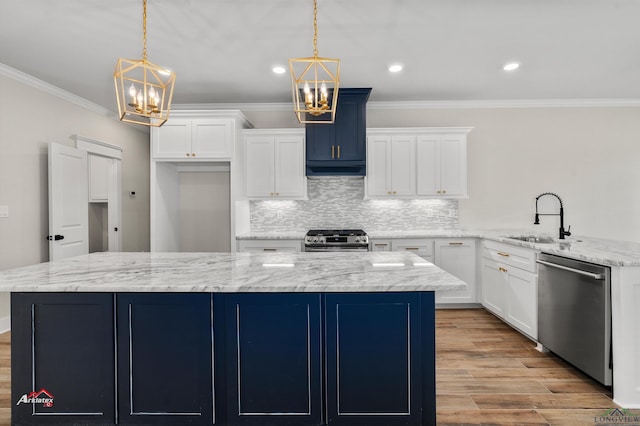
(230, 339)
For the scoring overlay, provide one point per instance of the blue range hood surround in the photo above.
(340, 149)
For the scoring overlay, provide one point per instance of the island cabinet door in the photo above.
(62, 355)
(165, 347)
(273, 347)
(376, 374)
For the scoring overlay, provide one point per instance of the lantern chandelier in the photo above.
(315, 83)
(143, 90)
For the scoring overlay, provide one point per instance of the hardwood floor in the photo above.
(486, 374)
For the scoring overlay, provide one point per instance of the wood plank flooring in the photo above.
(486, 374)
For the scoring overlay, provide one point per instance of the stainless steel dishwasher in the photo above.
(574, 313)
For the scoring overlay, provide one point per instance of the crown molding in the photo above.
(42, 85)
(391, 105)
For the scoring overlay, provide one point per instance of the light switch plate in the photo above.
(4, 211)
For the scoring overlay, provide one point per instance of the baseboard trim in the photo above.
(5, 324)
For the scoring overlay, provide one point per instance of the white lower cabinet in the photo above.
(419, 246)
(510, 285)
(269, 245)
(457, 257)
(380, 245)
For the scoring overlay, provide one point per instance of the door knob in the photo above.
(56, 237)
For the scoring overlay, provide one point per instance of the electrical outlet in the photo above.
(4, 211)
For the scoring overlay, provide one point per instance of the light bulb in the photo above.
(323, 88)
(152, 93)
(307, 90)
(140, 97)
(132, 91)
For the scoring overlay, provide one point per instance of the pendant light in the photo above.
(315, 83)
(143, 90)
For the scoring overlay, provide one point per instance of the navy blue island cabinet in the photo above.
(224, 358)
(341, 147)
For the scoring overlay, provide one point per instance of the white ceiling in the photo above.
(223, 50)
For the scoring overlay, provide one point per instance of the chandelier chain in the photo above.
(144, 30)
(315, 28)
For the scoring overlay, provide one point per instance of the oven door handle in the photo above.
(577, 271)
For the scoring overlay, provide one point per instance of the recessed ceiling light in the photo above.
(395, 68)
(511, 66)
(278, 69)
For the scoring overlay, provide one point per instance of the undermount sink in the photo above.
(533, 239)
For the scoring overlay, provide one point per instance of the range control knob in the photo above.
(315, 240)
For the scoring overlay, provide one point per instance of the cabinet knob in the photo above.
(501, 269)
(193, 154)
(443, 191)
(188, 155)
(394, 192)
(439, 192)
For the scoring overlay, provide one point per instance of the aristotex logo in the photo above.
(40, 397)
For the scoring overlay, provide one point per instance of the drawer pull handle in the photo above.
(501, 269)
(412, 248)
(381, 245)
(269, 249)
(455, 244)
(503, 254)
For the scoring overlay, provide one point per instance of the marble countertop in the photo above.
(595, 250)
(232, 273)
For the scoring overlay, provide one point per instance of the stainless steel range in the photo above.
(336, 240)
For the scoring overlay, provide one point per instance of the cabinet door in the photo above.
(522, 301)
(62, 347)
(165, 354)
(273, 358)
(458, 257)
(260, 167)
(99, 174)
(290, 180)
(378, 165)
(428, 165)
(321, 141)
(269, 245)
(212, 139)
(374, 368)
(350, 128)
(494, 287)
(172, 140)
(403, 165)
(453, 165)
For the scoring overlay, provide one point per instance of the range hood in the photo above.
(340, 149)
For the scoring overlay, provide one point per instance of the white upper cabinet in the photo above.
(274, 164)
(442, 160)
(417, 162)
(194, 139)
(391, 165)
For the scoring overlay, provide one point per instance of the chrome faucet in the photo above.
(562, 232)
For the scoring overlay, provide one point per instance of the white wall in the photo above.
(31, 118)
(590, 156)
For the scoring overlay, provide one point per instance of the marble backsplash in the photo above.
(337, 203)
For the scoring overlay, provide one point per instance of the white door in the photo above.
(260, 166)
(403, 165)
(428, 167)
(453, 162)
(378, 165)
(289, 166)
(68, 202)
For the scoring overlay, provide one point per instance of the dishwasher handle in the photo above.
(577, 271)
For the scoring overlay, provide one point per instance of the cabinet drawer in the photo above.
(380, 245)
(419, 246)
(267, 246)
(509, 255)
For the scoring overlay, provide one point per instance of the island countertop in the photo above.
(232, 273)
